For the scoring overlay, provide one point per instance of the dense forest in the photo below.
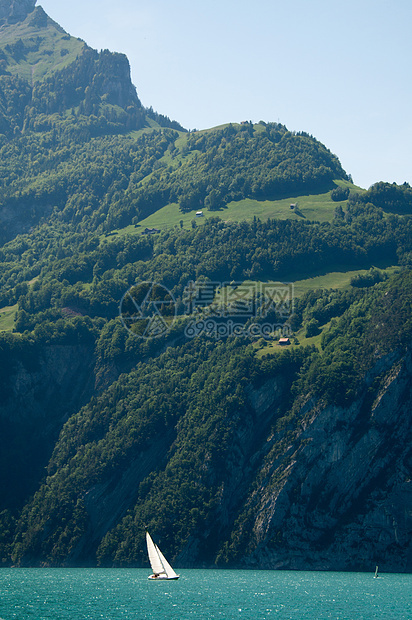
(234, 450)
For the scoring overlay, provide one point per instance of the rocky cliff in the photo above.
(39, 390)
(336, 493)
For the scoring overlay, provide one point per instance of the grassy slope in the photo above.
(48, 48)
(7, 318)
(319, 207)
(315, 207)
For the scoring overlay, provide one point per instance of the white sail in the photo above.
(154, 558)
(160, 566)
(167, 568)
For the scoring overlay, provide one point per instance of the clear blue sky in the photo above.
(340, 71)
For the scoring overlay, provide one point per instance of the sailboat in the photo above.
(160, 566)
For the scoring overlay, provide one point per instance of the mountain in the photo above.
(45, 71)
(145, 282)
(56, 94)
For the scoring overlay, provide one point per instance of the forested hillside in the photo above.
(234, 451)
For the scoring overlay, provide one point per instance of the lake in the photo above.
(125, 594)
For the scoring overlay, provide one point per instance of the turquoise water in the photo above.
(117, 594)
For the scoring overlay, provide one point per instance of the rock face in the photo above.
(339, 494)
(36, 398)
(13, 11)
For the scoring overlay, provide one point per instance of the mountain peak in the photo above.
(13, 11)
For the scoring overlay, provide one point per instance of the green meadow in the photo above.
(314, 207)
(7, 315)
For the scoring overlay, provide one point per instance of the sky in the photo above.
(340, 71)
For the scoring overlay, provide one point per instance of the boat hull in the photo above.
(163, 578)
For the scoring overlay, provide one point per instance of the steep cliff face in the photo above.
(107, 502)
(114, 82)
(237, 473)
(339, 493)
(39, 392)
